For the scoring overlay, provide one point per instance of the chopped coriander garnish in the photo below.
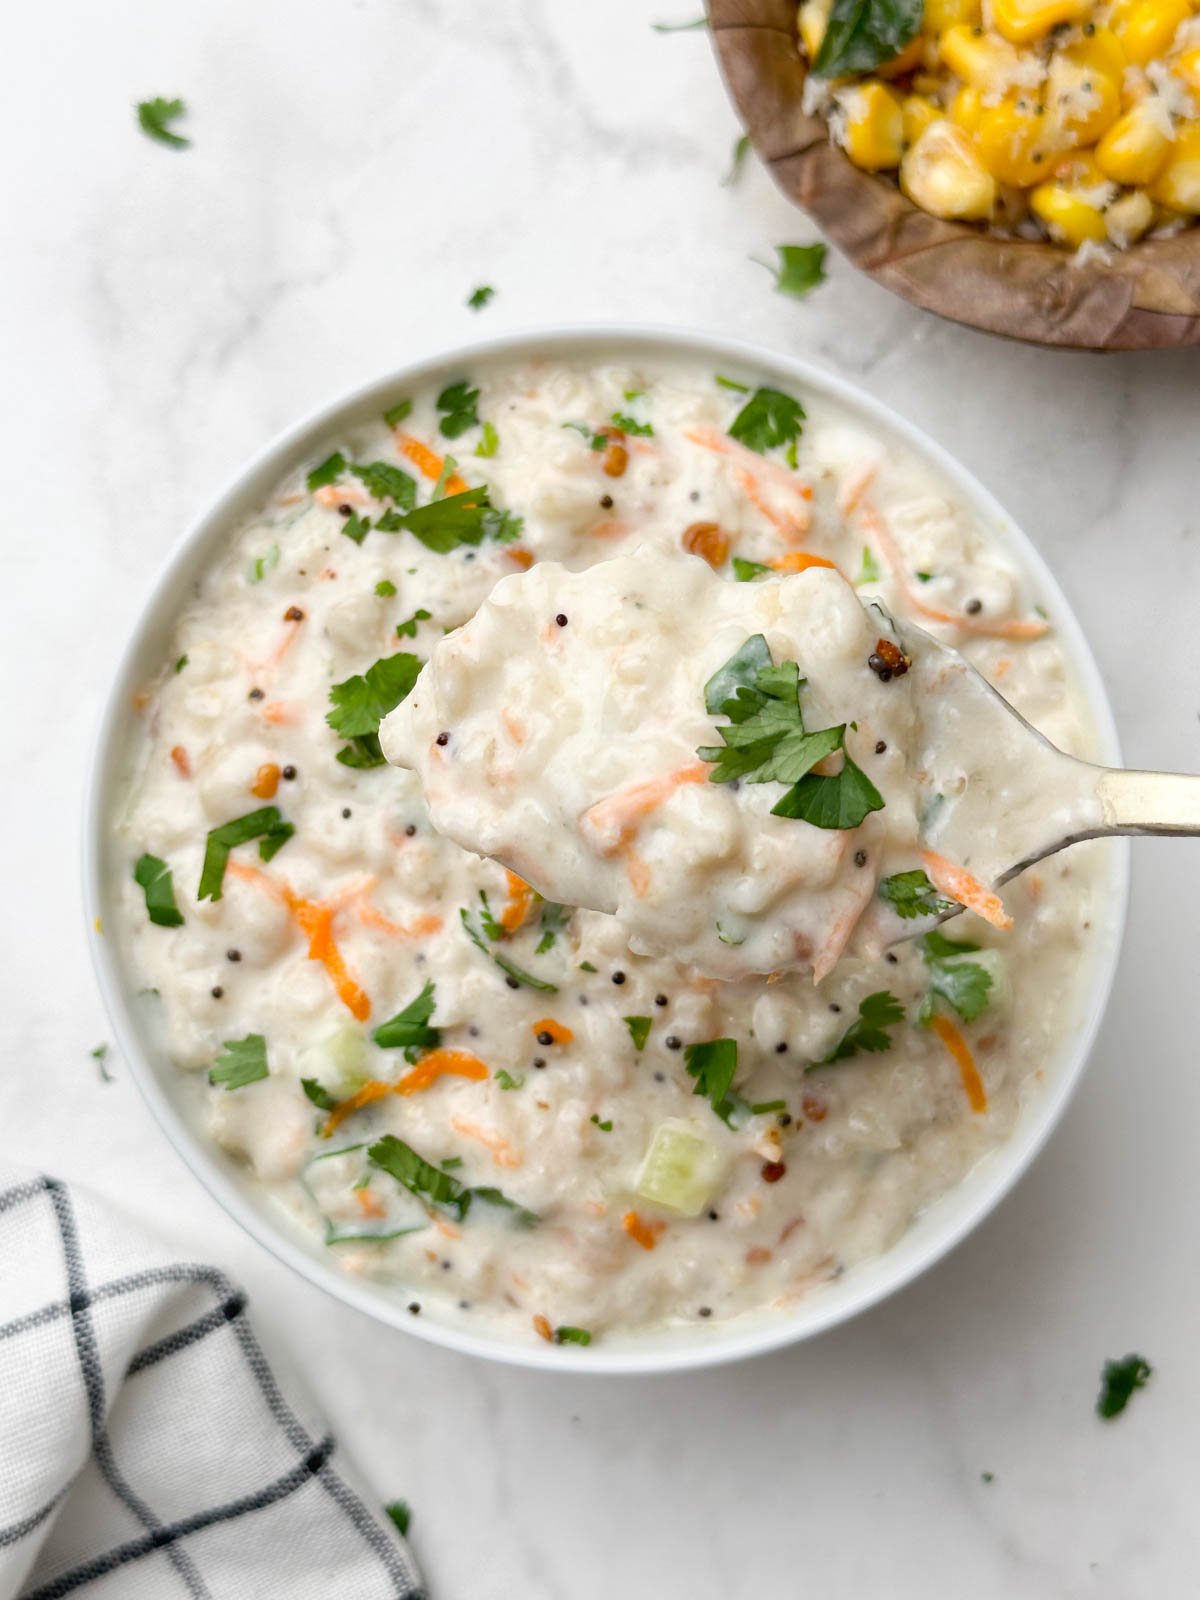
(181, 663)
(395, 415)
(510, 969)
(409, 1029)
(490, 442)
(1118, 1381)
(731, 383)
(241, 1061)
(925, 577)
(153, 117)
(154, 876)
(329, 471)
(318, 1094)
(596, 441)
(987, 1477)
(876, 1014)
(861, 37)
(494, 1197)
(766, 1108)
(408, 628)
(768, 419)
(491, 926)
(870, 572)
(360, 703)
(261, 565)
(801, 268)
(449, 468)
(713, 1065)
(451, 1163)
(437, 1188)
(586, 966)
(741, 149)
(639, 1029)
(840, 801)
(632, 426)
(385, 588)
(466, 518)
(569, 1335)
(553, 920)
(507, 1081)
(383, 481)
(744, 571)
(480, 297)
(356, 527)
(457, 406)
(400, 1514)
(266, 825)
(910, 894)
(964, 985)
(605, 1126)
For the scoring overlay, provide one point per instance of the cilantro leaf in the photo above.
(480, 297)
(870, 568)
(241, 1061)
(362, 753)
(730, 383)
(154, 876)
(318, 1094)
(457, 405)
(383, 481)
(329, 471)
(768, 418)
(862, 34)
(266, 824)
(360, 703)
(596, 441)
(506, 1080)
(744, 571)
(408, 628)
(739, 672)
(451, 1163)
(264, 564)
(414, 1173)
(842, 801)
(876, 1014)
(741, 150)
(181, 663)
(1118, 1381)
(385, 588)
(553, 920)
(632, 426)
(511, 970)
(153, 116)
(522, 1217)
(465, 518)
(395, 415)
(639, 1030)
(400, 1515)
(409, 1029)
(606, 1126)
(964, 985)
(488, 922)
(801, 268)
(490, 442)
(568, 1335)
(713, 1065)
(910, 894)
(356, 527)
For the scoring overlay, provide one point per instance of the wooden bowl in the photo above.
(1145, 298)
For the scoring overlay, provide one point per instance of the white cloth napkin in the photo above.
(145, 1447)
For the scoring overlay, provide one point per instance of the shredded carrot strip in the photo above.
(179, 759)
(371, 917)
(800, 561)
(984, 627)
(959, 1049)
(374, 1089)
(556, 1030)
(542, 1328)
(643, 1233)
(965, 889)
(316, 923)
(519, 556)
(520, 903)
(610, 528)
(612, 822)
(837, 935)
(501, 1152)
(441, 1064)
(266, 781)
(750, 460)
(340, 494)
(370, 1204)
(279, 711)
(428, 462)
(638, 873)
(790, 527)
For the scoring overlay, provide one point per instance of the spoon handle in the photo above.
(1149, 802)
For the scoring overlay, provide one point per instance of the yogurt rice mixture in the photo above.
(561, 1124)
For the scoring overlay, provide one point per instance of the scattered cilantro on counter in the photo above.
(457, 406)
(801, 268)
(409, 1029)
(876, 1014)
(100, 1057)
(153, 117)
(480, 297)
(910, 894)
(266, 825)
(639, 1030)
(1118, 1381)
(360, 704)
(741, 150)
(329, 471)
(768, 419)
(241, 1061)
(400, 1515)
(408, 628)
(154, 876)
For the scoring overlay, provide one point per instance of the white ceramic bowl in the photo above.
(934, 1233)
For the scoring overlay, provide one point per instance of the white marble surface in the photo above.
(357, 169)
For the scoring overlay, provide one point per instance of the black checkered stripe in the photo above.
(312, 1455)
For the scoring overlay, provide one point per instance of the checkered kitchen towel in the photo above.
(146, 1451)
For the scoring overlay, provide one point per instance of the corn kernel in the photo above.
(1187, 68)
(1015, 141)
(983, 60)
(1134, 148)
(1023, 21)
(917, 112)
(1178, 184)
(942, 14)
(1069, 205)
(811, 22)
(873, 131)
(1147, 29)
(911, 56)
(943, 174)
(1128, 218)
(1083, 98)
(966, 109)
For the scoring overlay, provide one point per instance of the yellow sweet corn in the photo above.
(1147, 28)
(1083, 94)
(1016, 140)
(943, 174)
(918, 112)
(1186, 68)
(966, 109)
(981, 59)
(1023, 21)
(811, 22)
(1128, 218)
(1069, 205)
(1134, 148)
(873, 131)
(1178, 184)
(942, 14)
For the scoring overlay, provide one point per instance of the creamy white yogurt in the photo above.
(633, 1200)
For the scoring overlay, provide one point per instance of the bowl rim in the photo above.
(982, 1187)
